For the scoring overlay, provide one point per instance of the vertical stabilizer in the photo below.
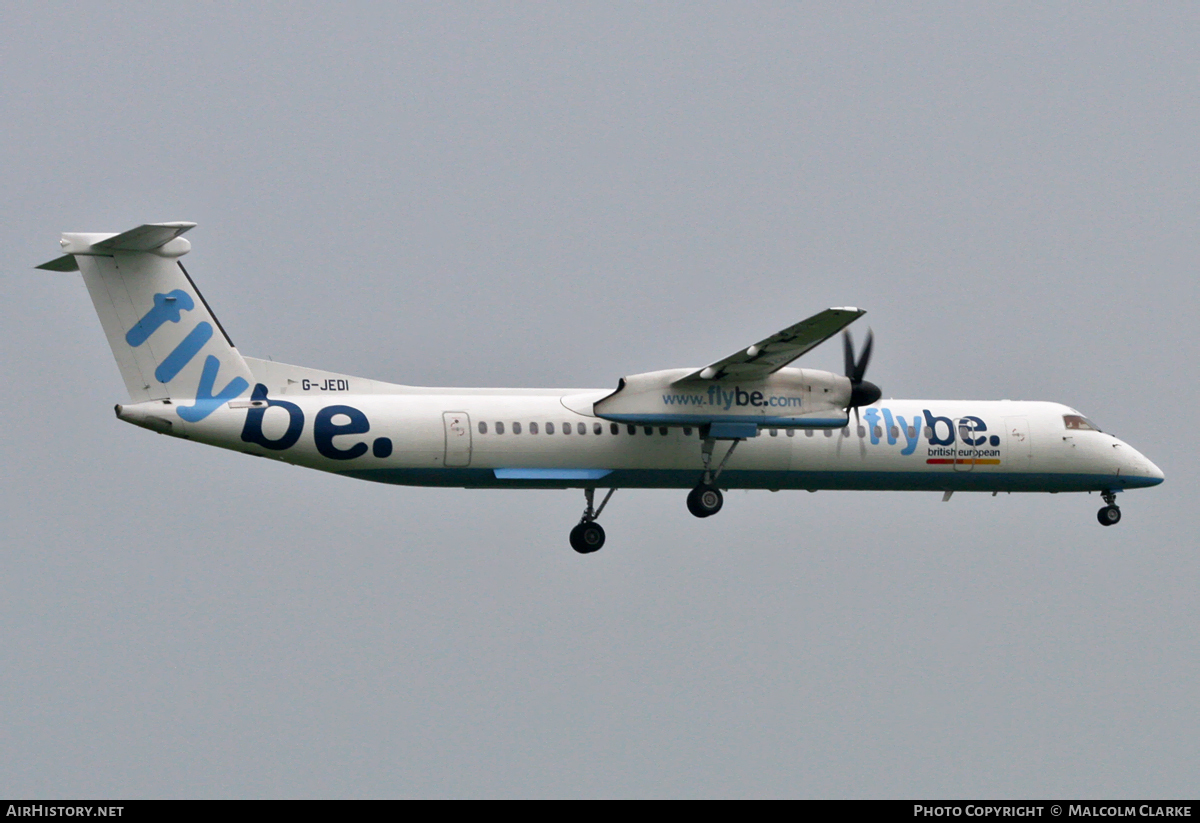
(166, 340)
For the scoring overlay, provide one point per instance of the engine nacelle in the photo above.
(788, 398)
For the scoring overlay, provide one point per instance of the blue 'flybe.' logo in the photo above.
(324, 428)
(169, 308)
(941, 431)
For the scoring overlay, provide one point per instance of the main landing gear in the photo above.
(588, 536)
(703, 501)
(706, 499)
(1110, 515)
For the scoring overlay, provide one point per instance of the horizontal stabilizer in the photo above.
(147, 237)
(64, 263)
(150, 237)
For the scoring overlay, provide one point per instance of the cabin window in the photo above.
(1077, 422)
(792, 432)
(774, 432)
(687, 431)
(597, 428)
(894, 432)
(846, 432)
(533, 428)
(649, 429)
(928, 433)
(499, 427)
(613, 428)
(862, 431)
(516, 428)
(549, 428)
(566, 428)
(662, 430)
(482, 427)
(912, 432)
(582, 429)
(632, 428)
(829, 432)
(877, 431)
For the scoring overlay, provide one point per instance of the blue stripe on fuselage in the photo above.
(550, 474)
(734, 479)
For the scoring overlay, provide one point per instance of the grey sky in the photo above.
(559, 195)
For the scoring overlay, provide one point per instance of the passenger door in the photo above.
(458, 439)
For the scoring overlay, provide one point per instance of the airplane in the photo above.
(746, 421)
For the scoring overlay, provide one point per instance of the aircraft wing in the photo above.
(772, 354)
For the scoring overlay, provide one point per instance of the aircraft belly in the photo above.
(743, 479)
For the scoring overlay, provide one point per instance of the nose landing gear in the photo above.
(1110, 515)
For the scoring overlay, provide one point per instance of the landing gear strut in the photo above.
(1110, 515)
(588, 536)
(706, 499)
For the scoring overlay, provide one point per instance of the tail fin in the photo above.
(166, 340)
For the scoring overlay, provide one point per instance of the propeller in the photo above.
(862, 392)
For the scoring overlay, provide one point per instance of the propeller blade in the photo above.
(862, 393)
(860, 368)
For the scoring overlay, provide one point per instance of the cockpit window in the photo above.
(1078, 422)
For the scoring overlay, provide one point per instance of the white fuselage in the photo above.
(550, 438)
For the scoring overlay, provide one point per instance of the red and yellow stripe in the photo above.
(965, 461)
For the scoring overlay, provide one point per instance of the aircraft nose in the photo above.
(1140, 471)
(1154, 473)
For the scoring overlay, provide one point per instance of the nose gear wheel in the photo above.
(1110, 515)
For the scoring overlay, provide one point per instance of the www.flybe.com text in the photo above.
(717, 396)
